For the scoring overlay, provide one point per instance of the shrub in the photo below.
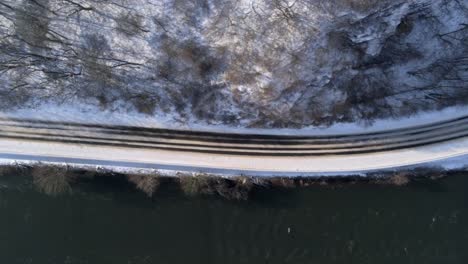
(196, 185)
(130, 24)
(31, 24)
(51, 180)
(12, 170)
(400, 179)
(97, 70)
(362, 5)
(283, 182)
(149, 184)
(236, 189)
(145, 104)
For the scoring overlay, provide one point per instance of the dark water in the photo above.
(425, 222)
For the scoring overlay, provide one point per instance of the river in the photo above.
(107, 222)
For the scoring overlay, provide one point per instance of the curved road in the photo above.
(192, 150)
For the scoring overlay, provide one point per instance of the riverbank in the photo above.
(63, 179)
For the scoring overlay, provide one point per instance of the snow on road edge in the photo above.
(83, 113)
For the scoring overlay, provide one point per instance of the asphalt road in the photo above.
(227, 153)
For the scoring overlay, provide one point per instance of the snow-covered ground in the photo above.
(93, 115)
(244, 63)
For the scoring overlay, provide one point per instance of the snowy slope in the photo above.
(232, 63)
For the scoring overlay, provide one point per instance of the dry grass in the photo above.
(149, 184)
(231, 189)
(399, 179)
(13, 170)
(283, 182)
(51, 180)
